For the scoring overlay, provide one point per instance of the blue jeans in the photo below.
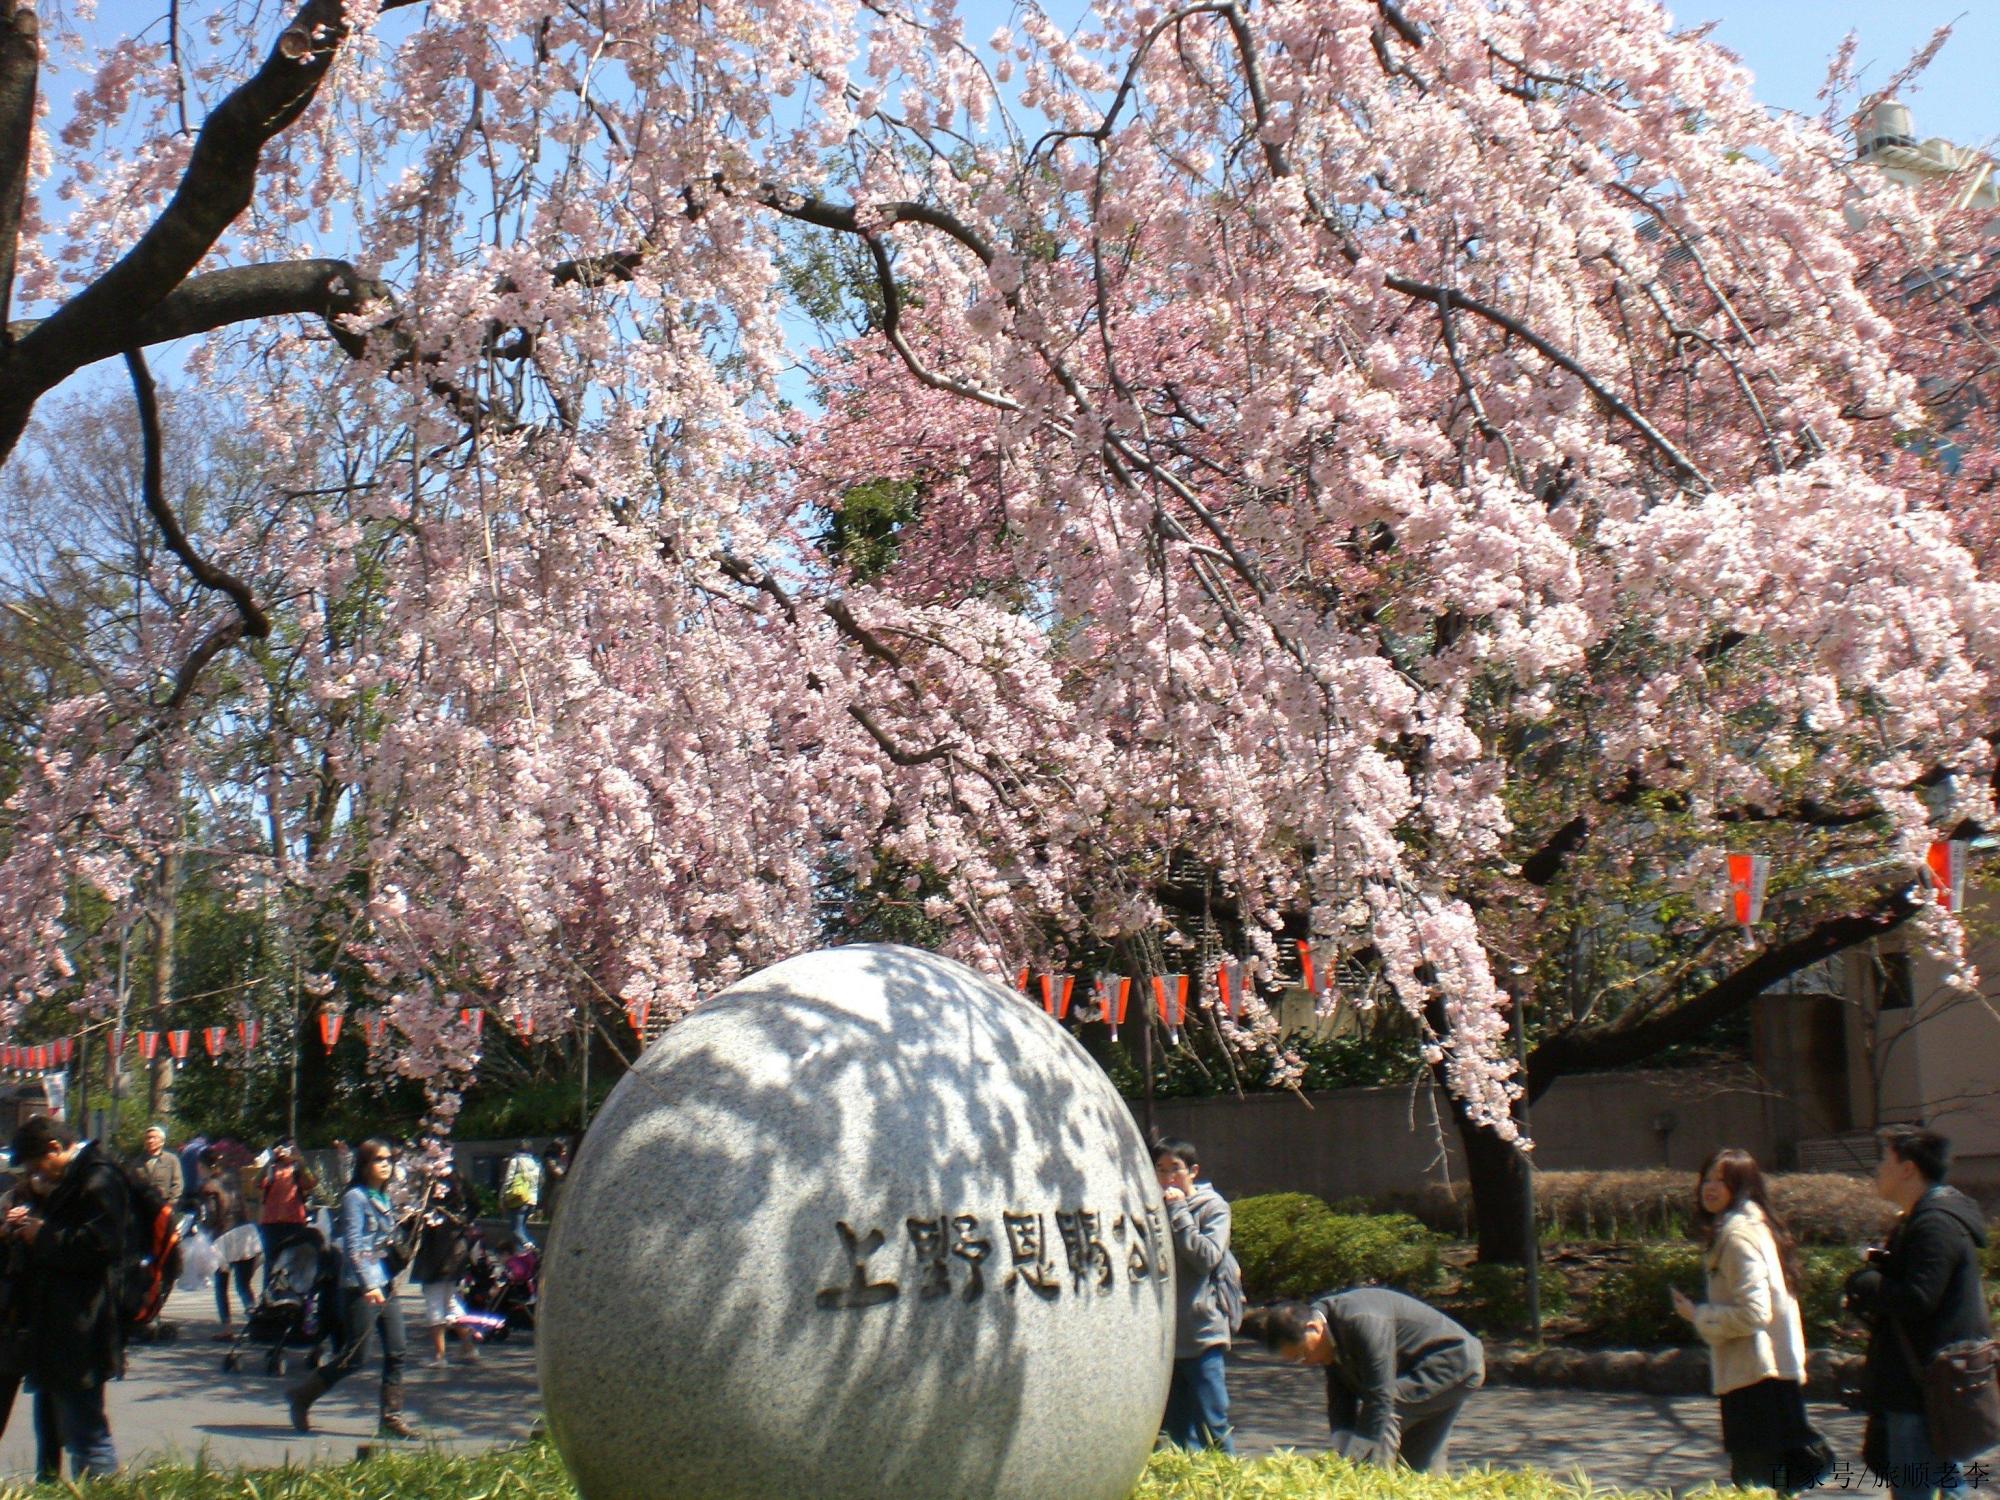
(77, 1417)
(518, 1226)
(1915, 1472)
(1198, 1403)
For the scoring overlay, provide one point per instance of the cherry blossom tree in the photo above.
(1418, 461)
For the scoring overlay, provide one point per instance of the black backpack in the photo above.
(152, 1260)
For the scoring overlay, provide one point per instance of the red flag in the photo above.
(214, 1038)
(64, 1046)
(1749, 875)
(329, 1028)
(1945, 863)
(249, 1031)
(177, 1043)
(474, 1017)
(636, 1012)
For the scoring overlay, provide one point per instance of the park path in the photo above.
(177, 1403)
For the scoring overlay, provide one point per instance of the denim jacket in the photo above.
(365, 1228)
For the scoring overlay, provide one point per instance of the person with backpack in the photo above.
(283, 1191)
(75, 1259)
(1920, 1293)
(1210, 1301)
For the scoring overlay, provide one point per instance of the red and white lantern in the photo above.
(1749, 877)
(1945, 864)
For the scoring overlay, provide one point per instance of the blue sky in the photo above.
(1786, 43)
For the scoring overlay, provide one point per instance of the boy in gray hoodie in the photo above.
(1209, 1288)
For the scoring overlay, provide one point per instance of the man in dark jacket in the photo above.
(73, 1255)
(1397, 1370)
(1919, 1293)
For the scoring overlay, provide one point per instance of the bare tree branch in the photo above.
(254, 622)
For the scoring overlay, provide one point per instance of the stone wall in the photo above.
(1366, 1142)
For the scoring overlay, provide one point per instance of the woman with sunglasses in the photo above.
(368, 1294)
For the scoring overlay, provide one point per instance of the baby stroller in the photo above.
(297, 1308)
(499, 1295)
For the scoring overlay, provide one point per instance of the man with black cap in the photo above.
(73, 1253)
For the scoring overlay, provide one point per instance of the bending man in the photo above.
(1397, 1370)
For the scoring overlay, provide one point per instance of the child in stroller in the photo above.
(498, 1289)
(298, 1308)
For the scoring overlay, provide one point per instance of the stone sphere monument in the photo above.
(866, 1224)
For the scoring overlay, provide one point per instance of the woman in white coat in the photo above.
(1750, 1321)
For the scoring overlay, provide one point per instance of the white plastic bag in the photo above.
(200, 1260)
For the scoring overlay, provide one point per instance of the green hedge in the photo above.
(1633, 1305)
(1293, 1245)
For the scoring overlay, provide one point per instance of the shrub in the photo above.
(1496, 1296)
(1632, 1305)
(1825, 1275)
(1293, 1245)
(1823, 1208)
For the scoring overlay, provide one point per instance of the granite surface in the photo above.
(865, 1224)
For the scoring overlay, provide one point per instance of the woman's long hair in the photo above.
(1745, 1180)
(375, 1145)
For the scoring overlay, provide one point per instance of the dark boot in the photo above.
(300, 1396)
(394, 1424)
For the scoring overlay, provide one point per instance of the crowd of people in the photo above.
(76, 1286)
(1398, 1371)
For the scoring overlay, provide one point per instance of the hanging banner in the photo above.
(1055, 994)
(1317, 966)
(215, 1038)
(1749, 875)
(1114, 993)
(474, 1017)
(149, 1044)
(249, 1031)
(1229, 987)
(177, 1043)
(1170, 997)
(1946, 864)
(329, 1028)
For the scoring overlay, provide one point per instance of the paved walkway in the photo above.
(1620, 1441)
(177, 1402)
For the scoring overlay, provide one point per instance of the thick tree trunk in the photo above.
(1498, 1176)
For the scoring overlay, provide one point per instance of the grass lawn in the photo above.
(535, 1472)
